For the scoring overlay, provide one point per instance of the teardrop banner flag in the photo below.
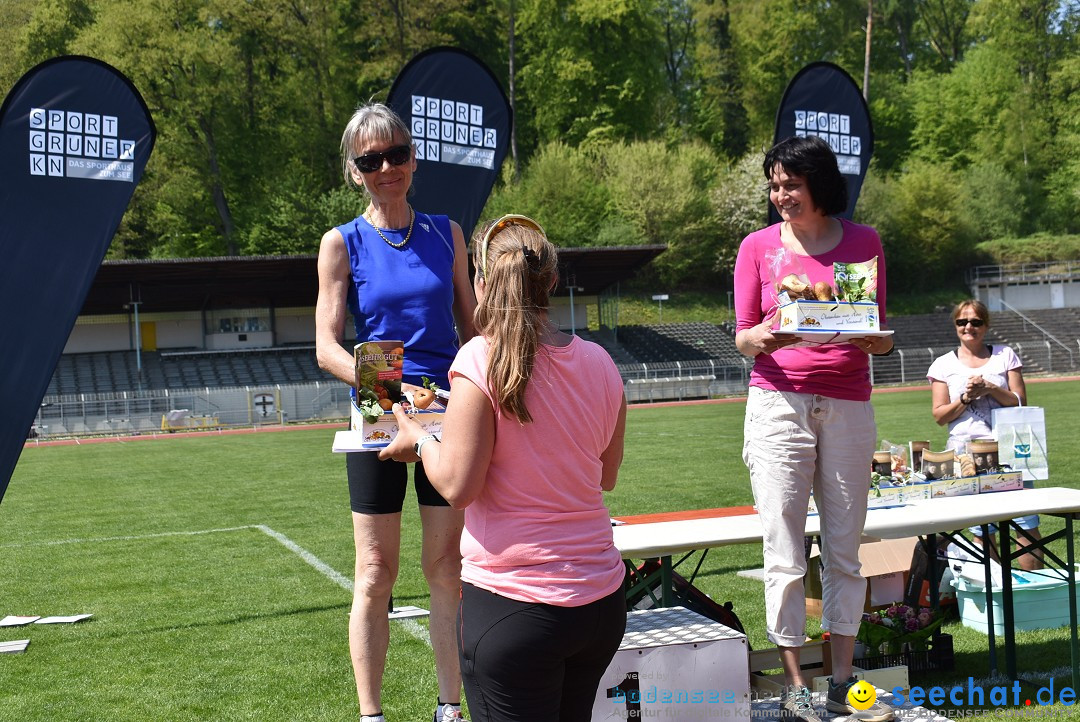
(460, 122)
(823, 100)
(75, 136)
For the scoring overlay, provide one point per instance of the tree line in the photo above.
(637, 121)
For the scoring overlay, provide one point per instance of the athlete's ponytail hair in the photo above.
(519, 267)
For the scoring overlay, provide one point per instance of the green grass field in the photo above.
(218, 569)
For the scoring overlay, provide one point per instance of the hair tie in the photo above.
(531, 259)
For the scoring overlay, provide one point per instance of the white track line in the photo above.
(89, 540)
(411, 626)
(322, 567)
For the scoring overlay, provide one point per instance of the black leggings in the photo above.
(527, 661)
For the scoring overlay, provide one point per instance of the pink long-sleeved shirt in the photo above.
(840, 371)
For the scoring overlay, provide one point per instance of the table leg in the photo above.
(988, 580)
(933, 590)
(1075, 645)
(1005, 552)
(667, 594)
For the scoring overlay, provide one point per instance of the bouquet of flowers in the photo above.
(893, 627)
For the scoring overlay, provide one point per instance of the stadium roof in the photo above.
(189, 284)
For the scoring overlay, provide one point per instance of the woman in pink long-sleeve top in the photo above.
(809, 424)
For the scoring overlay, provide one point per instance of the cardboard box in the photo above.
(952, 487)
(916, 492)
(804, 315)
(674, 663)
(381, 433)
(1004, 481)
(886, 678)
(885, 496)
(885, 564)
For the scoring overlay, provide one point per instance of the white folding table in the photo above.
(949, 515)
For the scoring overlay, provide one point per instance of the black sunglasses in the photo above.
(371, 162)
(975, 322)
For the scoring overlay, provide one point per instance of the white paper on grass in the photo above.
(14, 620)
(408, 612)
(18, 645)
(63, 620)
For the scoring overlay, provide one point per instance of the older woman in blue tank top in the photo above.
(403, 275)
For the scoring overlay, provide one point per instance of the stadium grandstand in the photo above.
(212, 342)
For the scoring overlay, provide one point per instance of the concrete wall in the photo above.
(1030, 296)
(248, 339)
(296, 325)
(116, 332)
(560, 312)
(111, 335)
(179, 333)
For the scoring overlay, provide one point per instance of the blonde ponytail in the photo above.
(519, 267)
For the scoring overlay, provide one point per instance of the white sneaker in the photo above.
(372, 718)
(798, 705)
(448, 713)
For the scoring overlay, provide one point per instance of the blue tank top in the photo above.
(406, 293)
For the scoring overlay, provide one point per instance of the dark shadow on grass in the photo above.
(713, 572)
(238, 619)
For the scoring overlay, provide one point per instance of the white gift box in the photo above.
(674, 664)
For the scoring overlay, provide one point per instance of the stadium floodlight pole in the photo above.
(138, 338)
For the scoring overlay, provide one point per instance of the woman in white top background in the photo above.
(967, 384)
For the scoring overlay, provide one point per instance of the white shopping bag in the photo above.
(1021, 435)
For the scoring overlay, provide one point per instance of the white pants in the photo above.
(794, 445)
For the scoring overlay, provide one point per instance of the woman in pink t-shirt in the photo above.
(533, 437)
(809, 425)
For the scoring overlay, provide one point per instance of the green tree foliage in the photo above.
(920, 218)
(1063, 180)
(52, 26)
(561, 188)
(777, 38)
(14, 18)
(638, 121)
(945, 28)
(642, 192)
(1037, 248)
(719, 117)
(591, 68)
(959, 114)
(739, 203)
(991, 201)
(663, 193)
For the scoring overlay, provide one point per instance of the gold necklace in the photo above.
(412, 218)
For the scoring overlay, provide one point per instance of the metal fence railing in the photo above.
(1047, 339)
(176, 409)
(1023, 272)
(179, 409)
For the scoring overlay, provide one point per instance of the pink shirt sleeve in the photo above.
(751, 289)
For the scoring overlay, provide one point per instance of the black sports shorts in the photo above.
(378, 487)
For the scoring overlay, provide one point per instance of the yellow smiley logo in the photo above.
(862, 695)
